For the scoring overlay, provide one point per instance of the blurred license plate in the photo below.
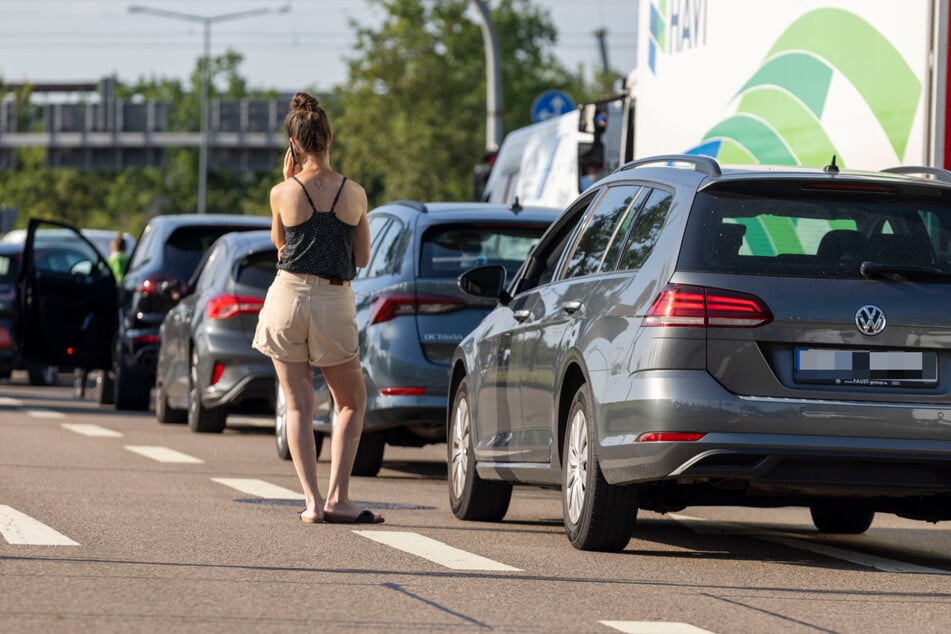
(892, 368)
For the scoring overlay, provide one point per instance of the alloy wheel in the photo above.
(576, 468)
(460, 447)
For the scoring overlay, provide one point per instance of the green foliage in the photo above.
(409, 123)
(413, 114)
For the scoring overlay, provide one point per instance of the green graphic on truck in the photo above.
(789, 83)
(779, 116)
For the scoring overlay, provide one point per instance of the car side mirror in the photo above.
(484, 281)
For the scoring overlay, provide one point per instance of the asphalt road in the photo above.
(112, 522)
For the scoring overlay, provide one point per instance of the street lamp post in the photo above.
(206, 21)
(493, 79)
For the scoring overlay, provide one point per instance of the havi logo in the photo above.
(675, 25)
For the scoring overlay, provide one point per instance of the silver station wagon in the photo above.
(690, 334)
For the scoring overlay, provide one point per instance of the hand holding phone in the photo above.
(294, 154)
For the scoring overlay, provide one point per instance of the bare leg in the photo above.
(299, 396)
(350, 398)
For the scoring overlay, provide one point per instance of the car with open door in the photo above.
(66, 301)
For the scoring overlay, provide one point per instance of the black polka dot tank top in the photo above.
(322, 245)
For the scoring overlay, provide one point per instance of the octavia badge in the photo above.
(870, 320)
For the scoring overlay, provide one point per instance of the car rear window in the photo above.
(449, 250)
(258, 269)
(186, 245)
(809, 235)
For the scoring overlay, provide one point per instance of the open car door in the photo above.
(66, 299)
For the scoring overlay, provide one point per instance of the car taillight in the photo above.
(669, 436)
(390, 305)
(402, 391)
(697, 306)
(216, 372)
(150, 285)
(227, 306)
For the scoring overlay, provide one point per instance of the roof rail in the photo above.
(412, 204)
(937, 173)
(704, 164)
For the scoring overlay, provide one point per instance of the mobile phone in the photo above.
(294, 155)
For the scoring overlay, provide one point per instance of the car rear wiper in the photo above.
(900, 272)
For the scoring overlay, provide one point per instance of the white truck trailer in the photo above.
(751, 81)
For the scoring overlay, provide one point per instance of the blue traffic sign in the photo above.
(551, 103)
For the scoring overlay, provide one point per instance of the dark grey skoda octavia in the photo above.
(691, 334)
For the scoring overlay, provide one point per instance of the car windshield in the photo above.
(448, 251)
(805, 235)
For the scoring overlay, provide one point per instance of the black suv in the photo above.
(77, 319)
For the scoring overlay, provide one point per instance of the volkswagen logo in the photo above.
(870, 320)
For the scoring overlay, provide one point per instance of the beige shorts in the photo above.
(306, 318)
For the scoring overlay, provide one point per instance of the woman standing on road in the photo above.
(319, 226)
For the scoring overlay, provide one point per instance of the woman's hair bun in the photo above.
(304, 102)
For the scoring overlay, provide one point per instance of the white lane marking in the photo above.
(94, 431)
(18, 528)
(163, 454)
(6, 401)
(44, 413)
(260, 488)
(654, 627)
(435, 551)
(884, 564)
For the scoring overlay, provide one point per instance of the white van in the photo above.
(545, 163)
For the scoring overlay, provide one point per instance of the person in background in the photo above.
(319, 226)
(118, 258)
(118, 263)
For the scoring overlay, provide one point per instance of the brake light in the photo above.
(402, 391)
(388, 306)
(669, 436)
(852, 187)
(227, 306)
(216, 372)
(697, 306)
(150, 285)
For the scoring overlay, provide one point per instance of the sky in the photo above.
(86, 40)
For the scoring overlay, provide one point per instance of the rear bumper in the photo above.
(774, 446)
(248, 374)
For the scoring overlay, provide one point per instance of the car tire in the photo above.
(130, 392)
(201, 419)
(165, 413)
(842, 519)
(105, 388)
(470, 497)
(42, 375)
(280, 428)
(369, 458)
(598, 515)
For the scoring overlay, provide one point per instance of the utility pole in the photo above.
(493, 80)
(601, 34)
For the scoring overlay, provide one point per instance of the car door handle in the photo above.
(572, 307)
(521, 315)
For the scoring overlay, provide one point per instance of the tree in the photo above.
(412, 120)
